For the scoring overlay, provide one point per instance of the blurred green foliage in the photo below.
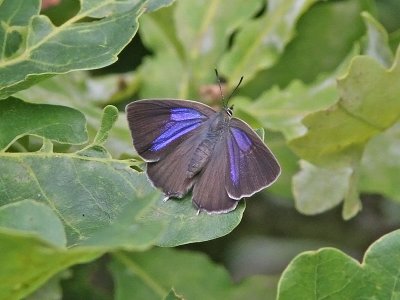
(321, 77)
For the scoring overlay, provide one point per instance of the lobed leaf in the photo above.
(368, 87)
(329, 273)
(34, 49)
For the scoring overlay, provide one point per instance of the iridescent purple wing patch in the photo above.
(241, 138)
(238, 144)
(181, 121)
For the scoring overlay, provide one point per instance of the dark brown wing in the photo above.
(209, 192)
(159, 126)
(171, 171)
(166, 133)
(252, 166)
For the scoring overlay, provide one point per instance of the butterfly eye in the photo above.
(229, 111)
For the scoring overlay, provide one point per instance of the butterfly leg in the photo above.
(170, 195)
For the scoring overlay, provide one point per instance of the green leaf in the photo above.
(91, 204)
(172, 295)
(103, 202)
(288, 162)
(319, 189)
(184, 225)
(15, 17)
(377, 41)
(151, 274)
(314, 49)
(98, 199)
(58, 123)
(44, 49)
(86, 94)
(367, 88)
(352, 202)
(204, 28)
(329, 273)
(187, 40)
(32, 216)
(153, 5)
(283, 110)
(381, 164)
(52, 289)
(260, 42)
(110, 116)
(27, 262)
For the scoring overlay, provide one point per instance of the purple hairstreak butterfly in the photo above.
(188, 146)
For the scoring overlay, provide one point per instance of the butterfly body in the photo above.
(219, 124)
(190, 146)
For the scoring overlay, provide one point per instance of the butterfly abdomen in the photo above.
(200, 157)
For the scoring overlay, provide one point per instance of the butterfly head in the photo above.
(228, 109)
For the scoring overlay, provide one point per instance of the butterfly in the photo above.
(188, 146)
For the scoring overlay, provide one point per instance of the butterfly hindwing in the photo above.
(252, 166)
(157, 126)
(209, 192)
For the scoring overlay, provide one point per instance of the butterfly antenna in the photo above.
(220, 88)
(234, 90)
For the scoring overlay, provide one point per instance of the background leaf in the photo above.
(314, 49)
(19, 278)
(31, 216)
(331, 273)
(75, 42)
(259, 43)
(150, 275)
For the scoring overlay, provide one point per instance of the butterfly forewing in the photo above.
(165, 133)
(252, 166)
(157, 126)
(170, 173)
